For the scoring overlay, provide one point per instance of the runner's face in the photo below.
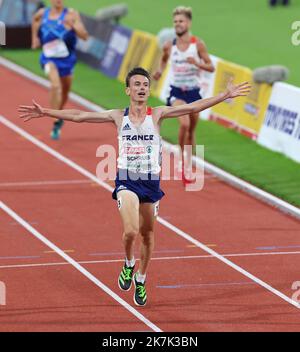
(139, 88)
(57, 3)
(181, 24)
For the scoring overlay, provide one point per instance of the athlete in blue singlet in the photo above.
(56, 29)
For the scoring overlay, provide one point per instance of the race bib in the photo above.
(56, 48)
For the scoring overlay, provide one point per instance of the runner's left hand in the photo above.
(237, 90)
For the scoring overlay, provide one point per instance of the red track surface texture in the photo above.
(188, 289)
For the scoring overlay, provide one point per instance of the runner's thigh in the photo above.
(128, 204)
(52, 73)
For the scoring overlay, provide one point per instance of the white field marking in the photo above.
(43, 183)
(228, 177)
(165, 223)
(110, 261)
(225, 176)
(77, 266)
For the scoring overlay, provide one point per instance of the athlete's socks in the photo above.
(59, 123)
(179, 166)
(140, 278)
(130, 263)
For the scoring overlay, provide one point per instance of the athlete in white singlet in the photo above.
(137, 183)
(185, 75)
(188, 56)
(139, 146)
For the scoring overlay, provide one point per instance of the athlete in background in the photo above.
(56, 29)
(188, 56)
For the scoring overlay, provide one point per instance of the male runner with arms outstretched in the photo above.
(137, 183)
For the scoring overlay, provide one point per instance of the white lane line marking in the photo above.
(110, 261)
(165, 223)
(229, 263)
(54, 153)
(44, 183)
(77, 266)
(236, 182)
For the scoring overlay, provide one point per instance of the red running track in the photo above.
(188, 289)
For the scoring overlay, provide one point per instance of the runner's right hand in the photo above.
(157, 75)
(31, 112)
(35, 43)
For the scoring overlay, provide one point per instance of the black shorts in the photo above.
(145, 186)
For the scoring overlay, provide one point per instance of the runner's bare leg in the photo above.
(147, 220)
(128, 203)
(56, 88)
(184, 124)
(66, 83)
(191, 141)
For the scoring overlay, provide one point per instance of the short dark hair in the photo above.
(182, 10)
(137, 71)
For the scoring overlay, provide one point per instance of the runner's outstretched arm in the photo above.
(37, 111)
(232, 91)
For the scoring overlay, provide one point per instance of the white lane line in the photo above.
(110, 261)
(214, 170)
(229, 263)
(77, 266)
(44, 183)
(53, 152)
(165, 223)
(236, 182)
(224, 255)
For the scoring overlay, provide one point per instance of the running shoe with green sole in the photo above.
(125, 277)
(140, 295)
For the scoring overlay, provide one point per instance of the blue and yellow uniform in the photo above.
(53, 32)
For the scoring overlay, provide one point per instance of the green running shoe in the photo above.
(55, 133)
(125, 277)
(140, 295)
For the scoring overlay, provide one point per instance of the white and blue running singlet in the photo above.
(139, 146)
(139, 161)
(185, 77)
(183, 74)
